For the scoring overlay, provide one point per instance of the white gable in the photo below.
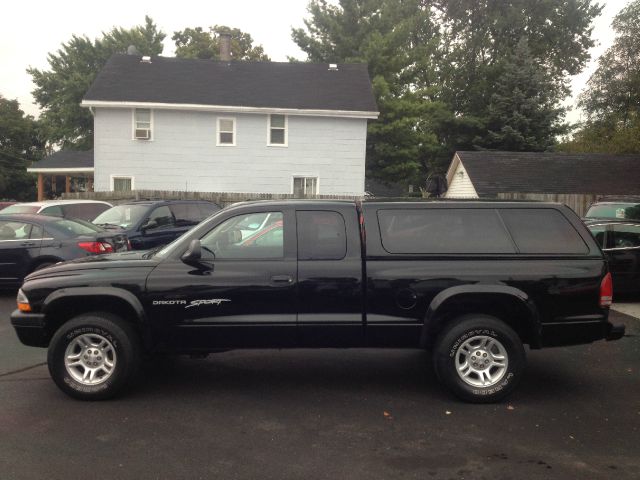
(460, 185)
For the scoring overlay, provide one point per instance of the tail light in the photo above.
(606, 291)
(96, 247)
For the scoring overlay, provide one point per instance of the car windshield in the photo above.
(21, 209)
(627, 211)
(74, 228)
(124, 216)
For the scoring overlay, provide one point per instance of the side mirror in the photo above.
(193, 254)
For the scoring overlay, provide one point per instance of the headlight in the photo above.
(23, 302)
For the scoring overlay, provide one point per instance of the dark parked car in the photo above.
(82, 209)
(149, 224)
(31, 242)
(620, 241)
(472, 282)
(615, 209)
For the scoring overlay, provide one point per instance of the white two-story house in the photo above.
(223, 126)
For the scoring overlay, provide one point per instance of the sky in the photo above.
(30, 29)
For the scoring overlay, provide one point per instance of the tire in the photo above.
(94, 356)
(479, 358)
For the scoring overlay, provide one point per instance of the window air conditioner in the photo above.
(143, 134)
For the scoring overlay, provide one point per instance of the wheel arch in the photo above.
(67, 303)
(509, 304)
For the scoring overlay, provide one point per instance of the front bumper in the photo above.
(30, 328)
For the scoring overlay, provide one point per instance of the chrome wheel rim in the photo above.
(481, 361)
(90, 359)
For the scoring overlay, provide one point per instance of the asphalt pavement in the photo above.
(325, 414)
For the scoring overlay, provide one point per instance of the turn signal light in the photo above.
(24, 307)
(606, 291)
(96, 247)
(23, 302)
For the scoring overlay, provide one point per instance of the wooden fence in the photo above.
(578, 202)
(221, 198)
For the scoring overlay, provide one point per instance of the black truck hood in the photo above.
(130, 259)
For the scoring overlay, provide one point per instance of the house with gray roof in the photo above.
(224, 126)
(574, 179)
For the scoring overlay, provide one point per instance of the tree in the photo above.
(19, 145)
(611, 100)
(446, 73)
(522, 113)
(196, 43)
(394, 38)
(613, 91)
(72, 70)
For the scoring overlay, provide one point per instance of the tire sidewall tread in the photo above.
(463, 328)
(124, 341)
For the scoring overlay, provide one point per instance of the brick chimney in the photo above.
(225, 47)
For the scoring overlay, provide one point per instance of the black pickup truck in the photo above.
(472, 282)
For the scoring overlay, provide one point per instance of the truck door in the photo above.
(247, 296)
(329, 276)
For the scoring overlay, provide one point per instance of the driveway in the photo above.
(325, 414)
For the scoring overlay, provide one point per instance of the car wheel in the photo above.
(93, 356)
(479, 358)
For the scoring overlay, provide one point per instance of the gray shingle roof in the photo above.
(592, 173)
(240, 84)
(67, 159)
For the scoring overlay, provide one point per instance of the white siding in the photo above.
(183, 155)
(461, 185)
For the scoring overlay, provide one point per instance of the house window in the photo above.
(226, 132)
(277, 130)
(142, 124)
(305, 186)
(121, 184)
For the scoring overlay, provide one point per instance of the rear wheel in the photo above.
(94, 356)
(479, 358)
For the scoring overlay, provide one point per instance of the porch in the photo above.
(66, 171)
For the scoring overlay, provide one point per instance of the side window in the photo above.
(121, 184)
(186, 213)
(163, 217)
(226, 132)
(14, 230)
(305, 186)
(599, 233)
(625, 236)
(443, 231)
(278, 130)
(252, 236)
(321, 235)
(36, 232)
(543, 231)
(142, 124)
(53, 211)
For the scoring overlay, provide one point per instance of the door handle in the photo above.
(282, 279)
(27, 244)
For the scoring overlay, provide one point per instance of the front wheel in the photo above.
(479, 358)
(93, 356)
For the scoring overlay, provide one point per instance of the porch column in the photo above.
(40, 187)
(67, 184)
(90, 184)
